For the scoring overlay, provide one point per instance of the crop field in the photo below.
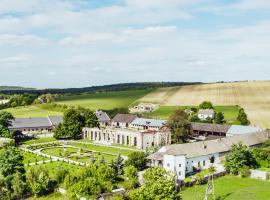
(254, 97)
(31, 111)
(232, 188)
(105, 100)
(164, 112)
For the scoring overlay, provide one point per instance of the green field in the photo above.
(164, 112)
(104, 100)
(31, 111)
(232, 188)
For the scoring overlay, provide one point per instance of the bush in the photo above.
(199, 179)
(212, 169)
(245, 172)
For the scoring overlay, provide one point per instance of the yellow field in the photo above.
(253, 96)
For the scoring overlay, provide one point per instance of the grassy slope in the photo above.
(230, 112)
(31, 111)
(232, 188)
(253, 96)
(105, 100)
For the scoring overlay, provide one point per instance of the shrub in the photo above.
(245, 172)
(212, 169)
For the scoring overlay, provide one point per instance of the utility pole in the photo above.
(210, 190)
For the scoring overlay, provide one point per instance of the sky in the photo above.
(81, 43)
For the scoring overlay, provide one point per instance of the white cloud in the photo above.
(18, 40)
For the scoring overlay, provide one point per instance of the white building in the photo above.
(186, 158)
(4, 101)
(129, 130)
(141, 139)
(206, 113)
(144, 107)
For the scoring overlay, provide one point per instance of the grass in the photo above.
(39, 140)
(103, 149)
(52, 167)
(31, 158)
(31, 111)
(232, 188)
(253, 96)
(87, 159)
(104, 100)
(164, 112)
(60, 151)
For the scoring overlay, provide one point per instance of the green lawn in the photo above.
(88, 159)
(102, 148)
(232, 188)
(31, 158)
(39, 140)
(31, 111)
(164, 112)
(52, 167)
(104, 100)
(60, 151)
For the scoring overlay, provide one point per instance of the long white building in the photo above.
(186, 158)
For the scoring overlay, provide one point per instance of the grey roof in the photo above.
(206, 111)
(126, 118)
(36, 122)
(148, 122)
(206, 127)
(197, 149)
(55, 120)
(30, 122)
(102, 116)
(238, 129)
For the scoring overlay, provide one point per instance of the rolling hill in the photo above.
(253, 96)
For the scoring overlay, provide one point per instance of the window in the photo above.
(180, 165)
(168, 164)
(179, 173)
(127, 140)
(204, 163)
(123, 139)
(118, 139)
(135, 141)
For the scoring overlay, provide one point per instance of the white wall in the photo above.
(176, 164)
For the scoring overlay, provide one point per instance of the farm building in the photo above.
(187, 158)
(122, 120)
(141, 133)
(103, 118)
(214, 131)
(35, 125)
(206, 113)
(144, 107)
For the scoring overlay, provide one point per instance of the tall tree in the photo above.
(5, 119)
(90, 118)
(239, 157)
(137, 159)
(242, 117)
(180, 126)
(11, 161)
(219, 118)
(159, 184)
(71, 126)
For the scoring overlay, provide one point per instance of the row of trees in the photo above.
(73, 121)
(19, 100)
